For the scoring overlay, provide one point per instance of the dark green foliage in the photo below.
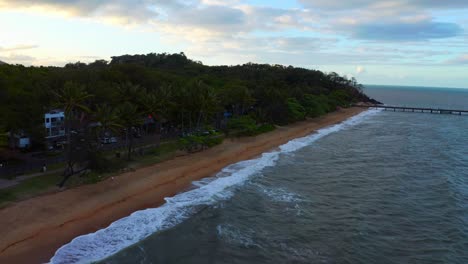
(315, 105)
(181, 94)
(246, 126)
(200, 141)
(296, 111)
(265, 128)
(340, 98)
(242, 126)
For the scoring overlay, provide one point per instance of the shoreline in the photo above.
(39, 226)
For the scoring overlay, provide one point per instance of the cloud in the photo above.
(460, 60)
(388, 20)
(17, 59)
(405, 31)
(121, 11)
(360, 69)
(18, 47)
(210, 16)
(359, 4)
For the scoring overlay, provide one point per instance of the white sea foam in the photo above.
(139, 225)
(235, 235)
(279, 194)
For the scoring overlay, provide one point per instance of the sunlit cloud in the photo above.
(17, 47)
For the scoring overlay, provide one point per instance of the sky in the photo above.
(394, 42)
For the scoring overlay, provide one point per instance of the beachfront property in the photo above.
(54, 123)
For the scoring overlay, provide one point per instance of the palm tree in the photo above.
(152, 105)
(129, 92)
(129, 117)
(72, 100)
(108, 119)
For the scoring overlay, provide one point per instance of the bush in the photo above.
(197, 142)
(296, 111)
(265, 128)
(246, 126)
(213, 140)
(339, 98)
(315, 105)
(242, 123)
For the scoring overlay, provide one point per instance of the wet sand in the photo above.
(32, 230)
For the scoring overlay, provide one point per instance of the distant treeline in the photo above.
(177, 92)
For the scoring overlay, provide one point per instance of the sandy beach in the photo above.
(32, 230)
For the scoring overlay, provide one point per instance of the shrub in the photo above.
(196, 142)
(296, 111)
(242, 123)
(265, 128)
(339, 98)
(314, 105)
(246, 126)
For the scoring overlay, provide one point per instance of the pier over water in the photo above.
(416, 109)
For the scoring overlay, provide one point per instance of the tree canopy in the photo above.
(178, 92)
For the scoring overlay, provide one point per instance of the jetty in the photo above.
(415, 109)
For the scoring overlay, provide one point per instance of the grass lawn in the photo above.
(45, 183)
(29, 188)
(165, 151)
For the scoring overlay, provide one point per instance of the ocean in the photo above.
(381, 187)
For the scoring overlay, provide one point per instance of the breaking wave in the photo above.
(141, 224)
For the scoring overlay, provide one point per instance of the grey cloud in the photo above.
(210, 16)
(300, 44)
(400, 31)
(460, 60)
(18, 59)
(356, 4)
(388, 20)
(131, 10)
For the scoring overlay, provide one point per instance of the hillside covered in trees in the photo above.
(176, 91)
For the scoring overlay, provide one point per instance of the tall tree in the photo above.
(72, 100)
(108, 120)
(130, 118)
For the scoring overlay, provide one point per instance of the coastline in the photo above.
(37, 227)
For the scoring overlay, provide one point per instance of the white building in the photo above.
(54, 123)
(19, 140)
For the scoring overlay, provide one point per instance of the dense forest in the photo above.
(181, 96)
(175, 90)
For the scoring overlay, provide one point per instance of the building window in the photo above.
(53, 119)
(47, 120)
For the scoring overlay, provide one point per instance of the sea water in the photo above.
(381, 187)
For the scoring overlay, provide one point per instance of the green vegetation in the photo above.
(199, 141)
(247, 126)
(181, 96)
(29, 188)
(112, 166)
